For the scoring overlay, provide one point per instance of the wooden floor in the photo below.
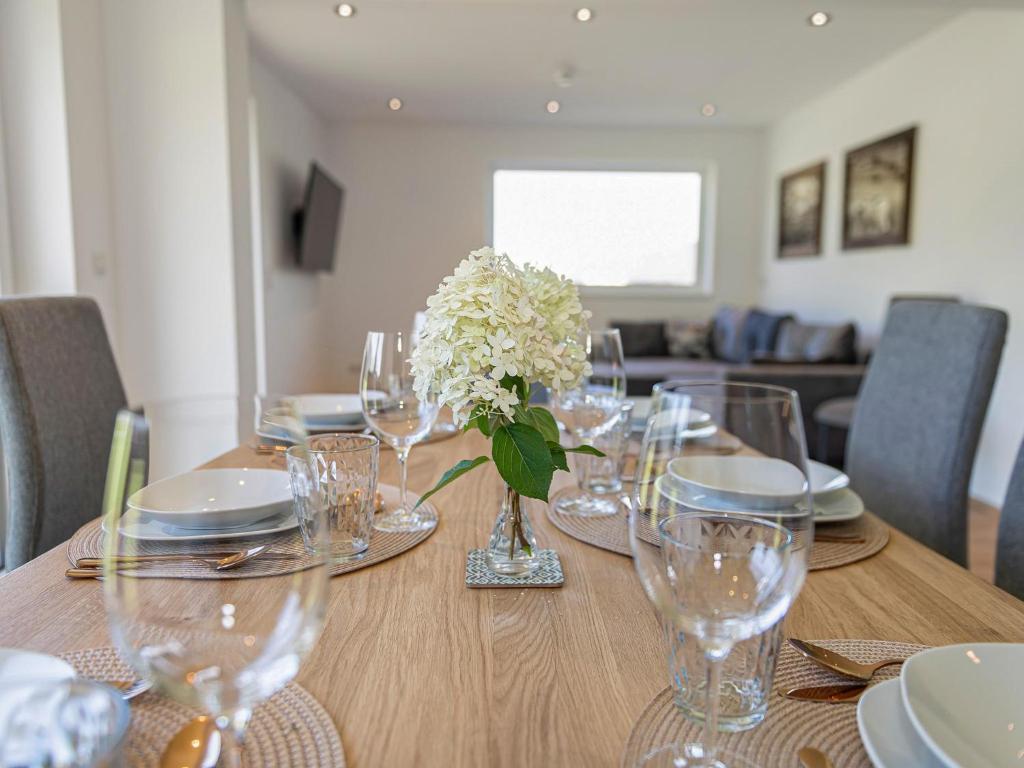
(982, 526)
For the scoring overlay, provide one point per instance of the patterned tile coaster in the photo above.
(479, 576)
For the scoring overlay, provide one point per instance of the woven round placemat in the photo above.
(88, 542)
(289, 730)
(790, 724)
(611, 532)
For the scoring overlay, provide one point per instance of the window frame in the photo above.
(703, 287)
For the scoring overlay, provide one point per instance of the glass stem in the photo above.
(402, 453)
(231, 727)
(711, 696)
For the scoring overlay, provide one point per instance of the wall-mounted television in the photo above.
(316, 224)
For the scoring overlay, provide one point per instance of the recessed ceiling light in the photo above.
(708, 110)
(552, 107)
(819, 19)
(345, 10)
(394, 104)
(584, 14)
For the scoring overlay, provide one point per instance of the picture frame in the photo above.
(878, 192)
(801, 209)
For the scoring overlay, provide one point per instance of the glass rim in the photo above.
(787, 535)
(770, 392)
(368, 442)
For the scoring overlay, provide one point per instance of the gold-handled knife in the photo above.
(828, 694)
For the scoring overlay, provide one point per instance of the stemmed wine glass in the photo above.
(398, 417)
(221, 645)
(591, 409)
(721, 545)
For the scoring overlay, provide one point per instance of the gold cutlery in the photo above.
(217, 562)
(271, 449)
(828, 694)
(129, 689)
(837, 663)
(813, 758)
(196, 745)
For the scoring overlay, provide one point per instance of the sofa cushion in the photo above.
(688, 339)
(643, 339)
(727, 341)
(761, 332)
(817, 343)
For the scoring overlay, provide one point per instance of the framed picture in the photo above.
(877, 198)
(801, 194)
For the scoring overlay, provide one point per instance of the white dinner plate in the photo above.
(697, 419)
(826, 479)
(750, 482)
(966, 703)
(887, 733)
(327, 411)
(838, 507)
(145, 528)
(215, 498)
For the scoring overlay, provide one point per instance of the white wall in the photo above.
(962, 86)
(299, 313)
(35, 146)
(417, 201)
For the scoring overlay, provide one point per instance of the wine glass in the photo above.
(222, 645)
(588, 411)
(397, 416)
(721, 545)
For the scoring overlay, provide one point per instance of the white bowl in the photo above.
(966, 702)
(215, 498)
(328, 410)
(826, 479)
(751, 482)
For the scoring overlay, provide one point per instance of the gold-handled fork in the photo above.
(91, 567)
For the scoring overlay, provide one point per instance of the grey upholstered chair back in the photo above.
(919, 416)
(1010, 547)
(59, 396)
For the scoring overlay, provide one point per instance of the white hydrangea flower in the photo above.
(490, 319)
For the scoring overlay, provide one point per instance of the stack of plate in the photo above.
(319, 413)
(756, 484)
(699, 422)
(211, 504)
(959, 706)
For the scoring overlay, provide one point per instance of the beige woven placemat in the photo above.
(88, 542)
(790, 724)
(611, 532)
(289, 730)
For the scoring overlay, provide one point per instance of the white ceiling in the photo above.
(639, 62)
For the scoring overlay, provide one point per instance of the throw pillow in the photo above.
(727, 334)
(687, 338)
(761, 332)
(817, 343)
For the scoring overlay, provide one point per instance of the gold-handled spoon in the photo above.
(839, 663)
(813, 758)
(197, 745)
(847, 693)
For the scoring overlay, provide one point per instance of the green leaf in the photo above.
(518, 385)
(541, 420)
(453, 474)
(523, 459)
(558, 456)
(587, 449)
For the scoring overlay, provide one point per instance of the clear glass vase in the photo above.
(512, 550)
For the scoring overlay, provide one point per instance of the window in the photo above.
(614, 229)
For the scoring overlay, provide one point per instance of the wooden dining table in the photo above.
(418, 670)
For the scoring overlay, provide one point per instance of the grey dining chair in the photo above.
(918, 419)
(1010, 545)
(60, 393)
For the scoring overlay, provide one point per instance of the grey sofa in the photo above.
(820, 362)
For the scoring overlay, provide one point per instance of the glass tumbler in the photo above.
(338, 472)
(603, 475)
